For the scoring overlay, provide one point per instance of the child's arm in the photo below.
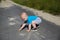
(29, 28)
(22, 27)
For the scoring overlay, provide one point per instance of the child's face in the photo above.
(24, 16)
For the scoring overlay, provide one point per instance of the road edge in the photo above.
(46, 16)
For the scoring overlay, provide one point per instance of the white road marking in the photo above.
(16, 21)
(12, 23)
(22, 34)
(11, 19)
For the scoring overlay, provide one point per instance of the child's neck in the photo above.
(26, 18)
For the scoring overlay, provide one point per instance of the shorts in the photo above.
(38, 20)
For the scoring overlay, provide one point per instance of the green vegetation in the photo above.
(0, 0)
(51, 6)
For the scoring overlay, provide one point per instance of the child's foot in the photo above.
(34, 29)
(28, 30)
(19, 30)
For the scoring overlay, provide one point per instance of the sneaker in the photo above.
(34, 28)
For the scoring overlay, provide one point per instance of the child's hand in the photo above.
(28, 30)
(19, 30)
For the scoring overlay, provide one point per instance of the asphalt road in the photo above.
(10, 23)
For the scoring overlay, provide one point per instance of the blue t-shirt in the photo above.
(30, 19)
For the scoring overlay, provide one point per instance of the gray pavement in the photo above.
(10, 23)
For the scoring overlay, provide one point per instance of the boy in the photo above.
(30, 20)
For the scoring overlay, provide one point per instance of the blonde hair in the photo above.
(23, 13)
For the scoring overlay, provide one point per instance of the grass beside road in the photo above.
(51, 6)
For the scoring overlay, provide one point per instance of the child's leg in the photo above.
(29, 28)
(34, 24)
(37, 21)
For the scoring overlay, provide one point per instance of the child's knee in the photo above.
(33, 22)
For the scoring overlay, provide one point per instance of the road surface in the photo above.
(10, 23)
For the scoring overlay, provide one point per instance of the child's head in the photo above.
(23, 16)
